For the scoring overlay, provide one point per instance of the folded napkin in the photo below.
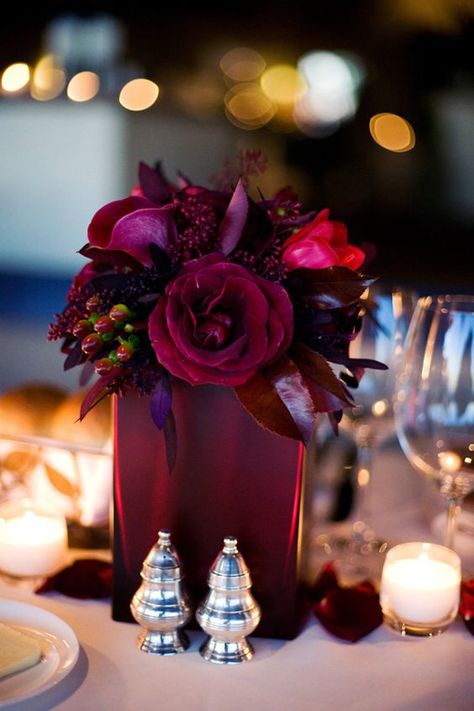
(349, 613)
(85, 578)
(466, 608)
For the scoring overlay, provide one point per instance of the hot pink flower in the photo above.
(320, 244)
(219, 323)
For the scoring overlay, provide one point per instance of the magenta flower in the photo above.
(219, 323)
(321, 243)
(131, 225)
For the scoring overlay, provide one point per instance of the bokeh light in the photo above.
(83, 86)
(283, 84)
(242, 64)
(247, 107)
(139, 94)
(392, 132)
(48, 80)
(15, 77)
(333, 80)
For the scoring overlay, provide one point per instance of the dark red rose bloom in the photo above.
(131, 225)
(320, 244)
(219, 323)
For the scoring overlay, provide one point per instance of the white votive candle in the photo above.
(420, 586)
(32, 543)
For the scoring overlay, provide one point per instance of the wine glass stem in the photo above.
(453, 508)
(364, 472)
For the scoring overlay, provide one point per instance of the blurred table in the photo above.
(314, 672)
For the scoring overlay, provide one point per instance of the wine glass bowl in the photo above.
(434, 405)
(368, 425)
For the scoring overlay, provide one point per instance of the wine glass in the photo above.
(371, 421)
(366, 427)
(434, 407)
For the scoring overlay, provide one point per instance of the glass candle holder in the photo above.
(33, 539)
(420, 588)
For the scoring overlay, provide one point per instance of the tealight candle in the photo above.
(33, 539)
(420, 587)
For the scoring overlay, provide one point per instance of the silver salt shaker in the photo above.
(161, 604)
(229, 612)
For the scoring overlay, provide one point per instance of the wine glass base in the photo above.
(355, 559)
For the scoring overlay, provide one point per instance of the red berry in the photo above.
(119, 312)
(104, 325)
(93, 303)
(91, 344)
(104, 366)
(124, 352)
(81, 328)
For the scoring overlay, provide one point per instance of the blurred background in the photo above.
(363, 107)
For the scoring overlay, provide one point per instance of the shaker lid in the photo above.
(229, 570)
(162, 563)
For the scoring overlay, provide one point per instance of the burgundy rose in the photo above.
(219, 323)
(320, 244)
(131, 225)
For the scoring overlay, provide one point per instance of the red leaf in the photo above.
(262, 402)
(98, 391)
(313, 366)
(293, 391)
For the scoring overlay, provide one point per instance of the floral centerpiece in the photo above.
(190, 295)
(210, 286)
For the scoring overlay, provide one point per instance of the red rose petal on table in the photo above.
(86, 578)
(326, 581)
(466, 608)
(349, 613)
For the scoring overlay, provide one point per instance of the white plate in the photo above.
(59, 644)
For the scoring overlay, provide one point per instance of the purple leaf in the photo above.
(153, 183)
(329, 288)
(234, 220)
(86, 373)
(183, 181)
(171, 441)
(160, 403)
(74, 357)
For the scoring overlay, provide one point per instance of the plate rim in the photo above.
(10, 612)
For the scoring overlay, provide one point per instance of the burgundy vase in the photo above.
(231, 477)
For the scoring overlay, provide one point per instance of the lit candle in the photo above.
(31, 541)
(420, 587)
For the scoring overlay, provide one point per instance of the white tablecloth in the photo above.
(315, 671)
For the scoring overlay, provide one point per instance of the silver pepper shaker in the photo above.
(161, 604)
(229, 612)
